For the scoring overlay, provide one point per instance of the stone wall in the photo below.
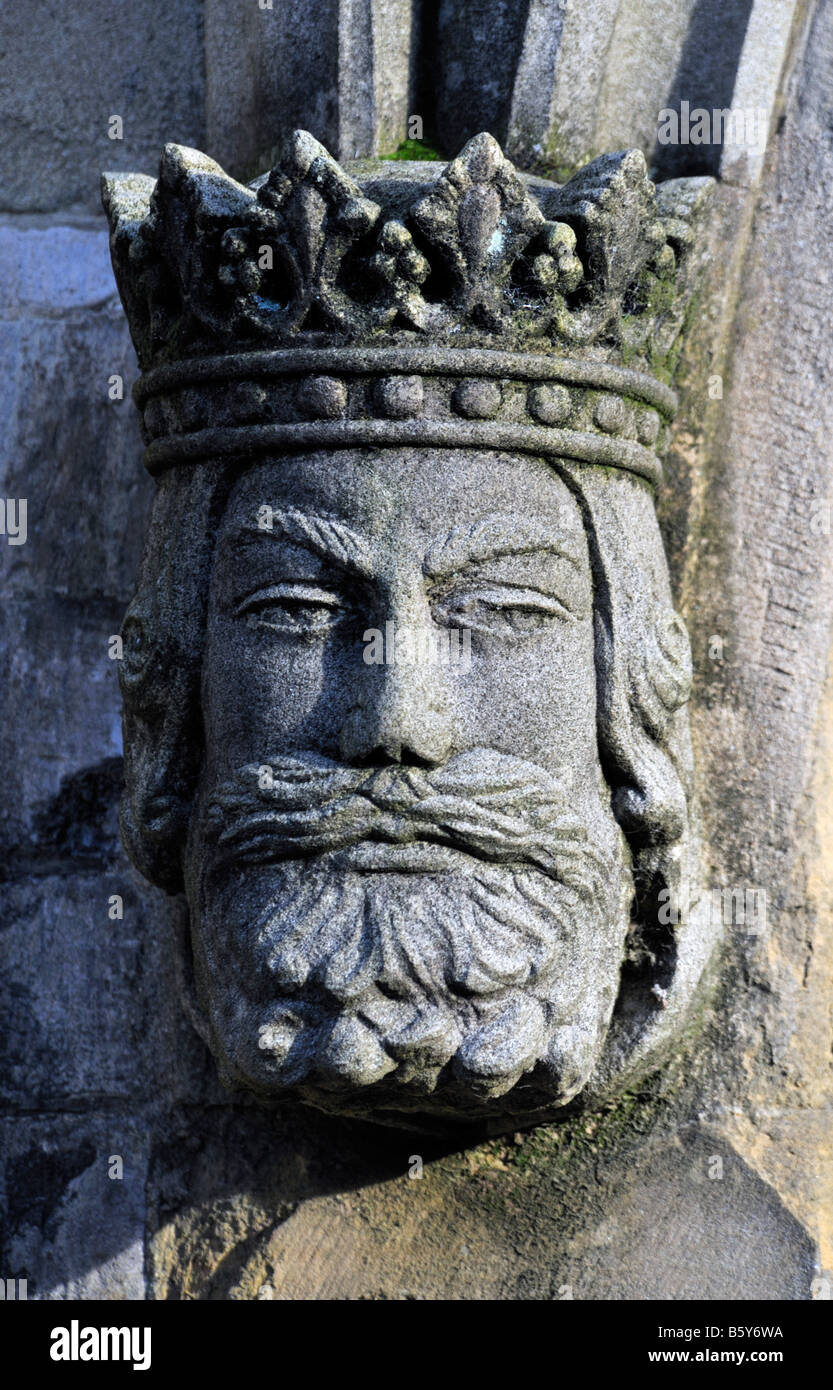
(713, 1179)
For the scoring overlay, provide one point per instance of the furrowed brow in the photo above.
(330, 539)
(492, 538)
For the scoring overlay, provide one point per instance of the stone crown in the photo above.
(450, 304)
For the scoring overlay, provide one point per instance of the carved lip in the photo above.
(418, 856)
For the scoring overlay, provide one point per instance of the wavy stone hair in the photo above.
(643, 669)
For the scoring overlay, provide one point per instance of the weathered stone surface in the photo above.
(55, 132)
(478, 47)
(67, 447)
(556, 83)
(485, 1228)
(100, 1022)
(617, 1209)
(71, 1230)
(561, 84)
(260, 63)
(579, 81)
(60, 721)
(758, 575)
(51, 270)
(343, 69)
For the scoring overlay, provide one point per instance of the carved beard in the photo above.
(403, 939)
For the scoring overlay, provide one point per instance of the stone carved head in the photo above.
(404, 689)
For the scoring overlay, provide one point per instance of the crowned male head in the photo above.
(405, 692)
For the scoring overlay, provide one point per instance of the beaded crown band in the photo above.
(390, 305)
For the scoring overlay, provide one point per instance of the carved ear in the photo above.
(156, 806)
(163, 636)
(644, 660)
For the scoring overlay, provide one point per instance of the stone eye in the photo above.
(301, 609)
(506, 610)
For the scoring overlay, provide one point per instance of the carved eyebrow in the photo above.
(492, 538)
(322, 534)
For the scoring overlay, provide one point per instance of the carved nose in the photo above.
(402, 716)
